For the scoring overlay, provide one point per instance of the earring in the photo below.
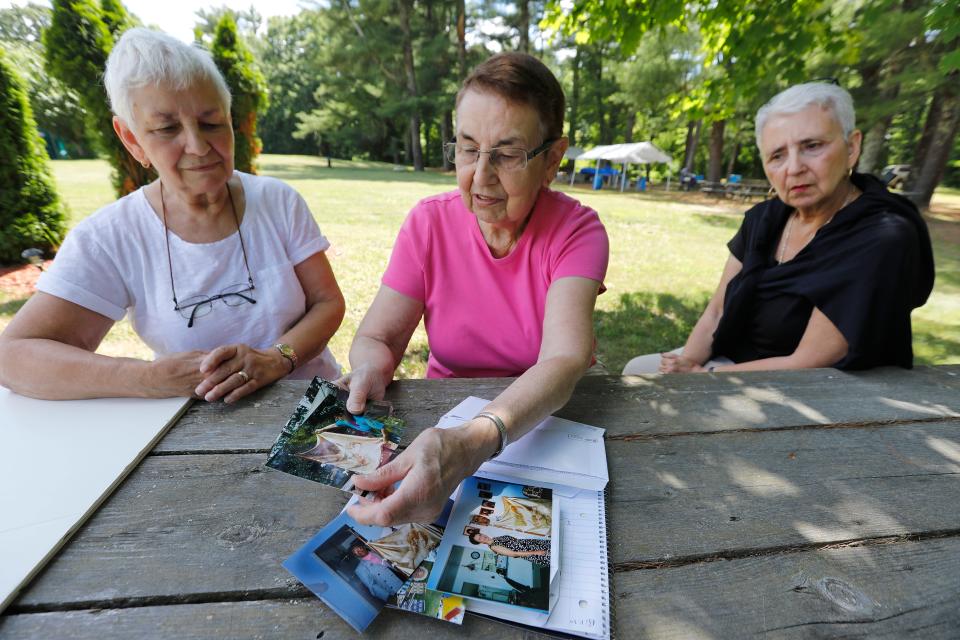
(145, 163)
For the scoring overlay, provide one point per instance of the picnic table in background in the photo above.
(783, 504)
(744, 190)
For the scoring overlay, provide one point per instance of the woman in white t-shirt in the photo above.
(223, 273)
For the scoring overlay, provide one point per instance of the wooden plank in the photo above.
(894, 591)
(733, 492)
(286, 618)
(187, 525)
(205, 524)
(645, 404)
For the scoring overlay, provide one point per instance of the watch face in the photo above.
(286, 350)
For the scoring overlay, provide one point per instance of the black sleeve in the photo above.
(867, 296)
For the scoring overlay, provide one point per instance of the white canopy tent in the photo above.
(624, 154)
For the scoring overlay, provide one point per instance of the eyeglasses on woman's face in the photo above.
(464, 154)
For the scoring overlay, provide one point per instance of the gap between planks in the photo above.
(866, 424)
(639, 437)
(280, 593)
(683, 561)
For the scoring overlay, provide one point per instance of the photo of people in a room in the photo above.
(504, 552)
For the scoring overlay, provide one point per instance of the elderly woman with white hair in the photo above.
(825, 274)
(223, 273)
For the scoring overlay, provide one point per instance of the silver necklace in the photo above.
(786, 234)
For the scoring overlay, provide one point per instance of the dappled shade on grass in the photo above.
(644, 322)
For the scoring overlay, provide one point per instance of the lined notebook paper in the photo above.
(584, 604)
(543, 456)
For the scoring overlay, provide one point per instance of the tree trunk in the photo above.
(446, 135)
(574, 106)
(628, 129)
(523, 25)
(874, 145)
(733, 157)
(940, 130)
(416, 150)
(715, 169)
(462, 39)
(693, 138)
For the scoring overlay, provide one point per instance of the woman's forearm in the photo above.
(699, 346)
(541, 390)
(310, 335)
(51, 370)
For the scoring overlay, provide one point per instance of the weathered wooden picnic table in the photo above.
(788, 505)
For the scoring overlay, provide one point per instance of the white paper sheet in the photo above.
(583, 607)
(61, 460)
(544, 455)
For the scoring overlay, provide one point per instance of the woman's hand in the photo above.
(673, 363)
(221, 371)
(428, 470)
(175, 375)
(364, 383)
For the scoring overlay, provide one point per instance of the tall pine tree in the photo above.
(247, 86)
(78, 42)
(31, 214)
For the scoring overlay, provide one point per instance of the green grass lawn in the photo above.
(667, 251)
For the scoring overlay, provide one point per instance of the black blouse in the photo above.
(866, 271)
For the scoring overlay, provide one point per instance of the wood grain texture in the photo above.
(205, 524)
(724, 489)
(896, 591)
(645, 404)
(696, 495)
(295, 618)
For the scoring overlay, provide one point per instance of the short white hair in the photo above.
(800, 96)
(143, 57)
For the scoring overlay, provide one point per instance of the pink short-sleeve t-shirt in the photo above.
(484, 315)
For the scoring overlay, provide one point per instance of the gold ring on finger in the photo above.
(243, 374)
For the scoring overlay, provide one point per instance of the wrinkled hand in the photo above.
(364, 383)
(175, 375)
(428, 470)
(221, 377)
(673, 363)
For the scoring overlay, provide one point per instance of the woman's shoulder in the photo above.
(116, 219)
(567, 215)
(265, 188)
(439, 209)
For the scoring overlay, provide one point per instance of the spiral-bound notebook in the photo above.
(583, 608)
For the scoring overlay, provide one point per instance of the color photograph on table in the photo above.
(339, 567)
(324, 442)
(502, 557)
(414, 596)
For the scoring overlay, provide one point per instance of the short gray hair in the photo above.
(145, 57)
(800, 96)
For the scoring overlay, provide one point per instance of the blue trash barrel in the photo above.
(597, 181)
(642, 183)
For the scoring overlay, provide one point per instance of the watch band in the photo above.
(287, 352)
(501, 429)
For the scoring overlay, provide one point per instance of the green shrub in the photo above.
(78, 42)
(247, 88)
(31, 214)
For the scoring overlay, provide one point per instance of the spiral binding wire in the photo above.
(607, 577)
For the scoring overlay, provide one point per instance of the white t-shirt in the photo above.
(115, 262)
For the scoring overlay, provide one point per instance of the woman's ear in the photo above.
(129, 140)
(853, 148)
(554, 158)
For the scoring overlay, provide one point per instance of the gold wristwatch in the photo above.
(287, 352)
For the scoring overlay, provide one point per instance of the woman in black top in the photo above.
(826, 273)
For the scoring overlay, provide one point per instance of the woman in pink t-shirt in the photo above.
(505, 274)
